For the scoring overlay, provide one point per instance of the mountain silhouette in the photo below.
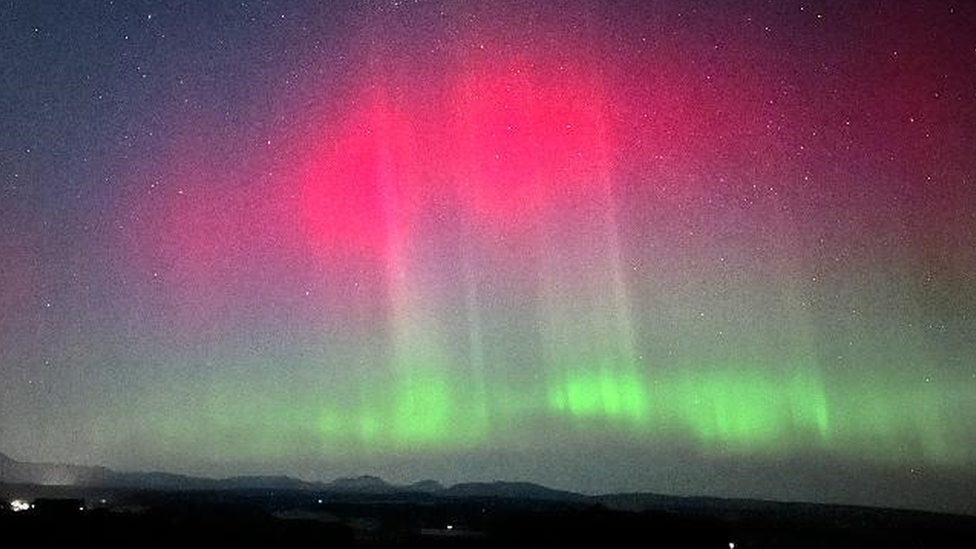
(18, 472)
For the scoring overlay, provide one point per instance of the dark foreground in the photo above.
(275, 518)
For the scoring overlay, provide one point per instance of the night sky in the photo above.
(707, 248)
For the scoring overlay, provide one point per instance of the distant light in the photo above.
(19, 505)
(731, 545)
(102, 501)
(81, 508)
(450, 526)
(320, 500)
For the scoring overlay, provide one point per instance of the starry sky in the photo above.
(705, 248)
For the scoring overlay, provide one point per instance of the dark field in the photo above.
(278, 518)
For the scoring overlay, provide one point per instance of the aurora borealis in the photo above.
(717, 248)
